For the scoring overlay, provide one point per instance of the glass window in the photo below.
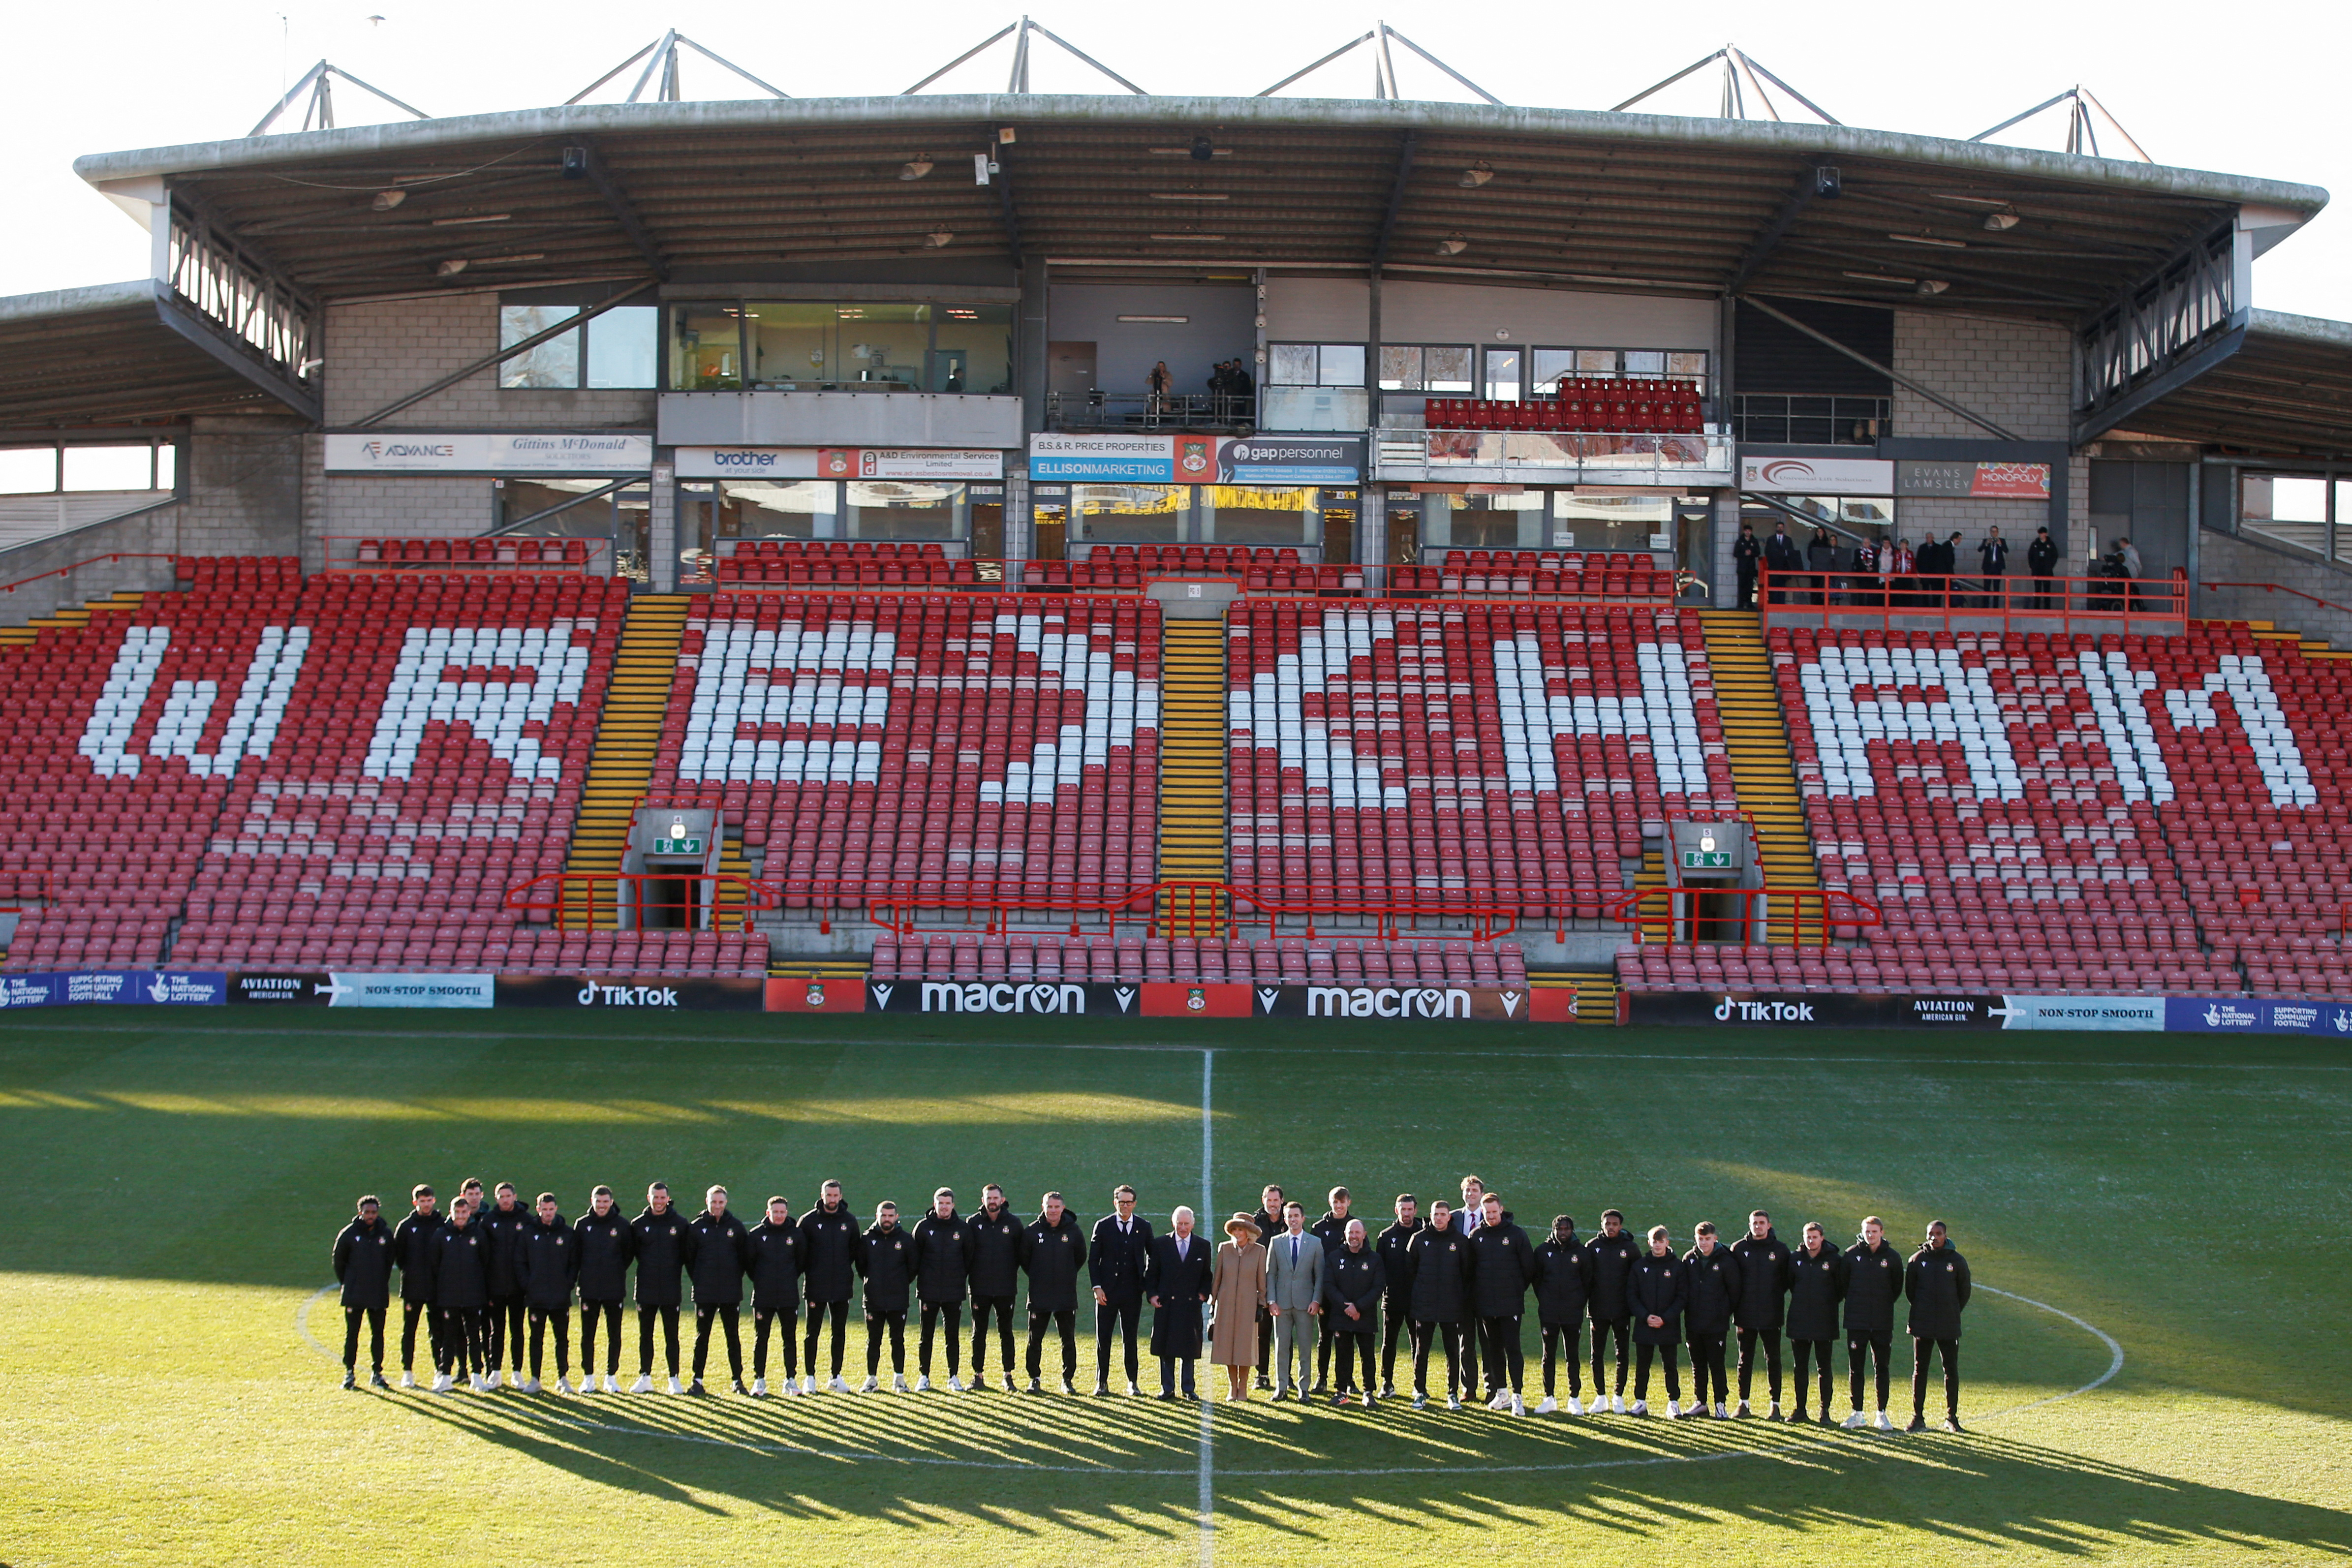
(1608, 522)
(1483, 522)
(2291, 508)
(621, 345)
(901, 510)
(167, 466)
(109, 467)
(1688, 367)
(811, 347)
(1294, 365)
(1342, 365)
(1645, 363)
(1444, 370)
(787, 510)
(554, 363)
(1551, 367)
(973, 349)
(2344, 519)
(1127, 514)
(707, 347)
(1596, 362)
(28, 470)
(1503, 367)
(1259, 515)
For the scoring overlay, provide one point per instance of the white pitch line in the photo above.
(1208, 1497)
(302, 1319)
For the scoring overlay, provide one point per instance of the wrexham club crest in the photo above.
(1195, 1000)
(816, 993)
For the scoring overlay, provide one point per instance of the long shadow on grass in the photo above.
(1108, 1468)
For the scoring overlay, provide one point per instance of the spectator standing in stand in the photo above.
(1992, 561)
(2042, 560)
(1746, 552)
(1781, 556)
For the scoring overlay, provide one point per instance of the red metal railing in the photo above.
(1838, 601)
(92, 560)
(1626, 907)
(629, 893)
(2282, 588)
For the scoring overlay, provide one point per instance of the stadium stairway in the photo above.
(70, 615)
(1193, 807)
(621, 766)
(1762, 768)
(1596, 991)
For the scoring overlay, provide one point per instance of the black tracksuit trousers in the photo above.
(505, 1319)
(1396, 1311)
(410, 1313)
(761, 1323)
(1922, 1352)
(817, 1313)
(645, 1317)
(1772, 1342)
(1818, 1351)
(1557, 1337)
(933, 1313)
(1708, 1386)
(541, 1320)
(1068, 1322)
(465, 1336)
(730, 1318)
(591, 1313)
(895, 1325)
(1642, 1354)
(1507, 1359)
(351, 1316)
(1859, 1348)
(982, 1309)
(1621, 1330)
(1426, 1333)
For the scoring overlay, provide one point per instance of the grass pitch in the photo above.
(176, 1181)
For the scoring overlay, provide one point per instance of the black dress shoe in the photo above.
(1165, 1395)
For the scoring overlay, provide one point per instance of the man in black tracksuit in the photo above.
(1051, 1252)
(1656, 1291)
(663, 1246)
(1874, 1283)
(886, 1256)
(1503, 1264)
(1437, 1290)
(1936, 1281)
(1332, 1232)
(1747, 551)
(1396, 1310)
(1353, 1283)
(1268, 1220)
(547, 1265)
(461, 1297)
(773, 1249)
(1711, 1289)
(2042, 560)
(412, 1250)
(1763, 1259)
(723, 1247)
(828, 1272)
(997, 1238)
(1563, 1285)
(606, 1245)
(1816, 1285)
(943, 1246)
(503, 1225)
(1614, 1253)
(1118, 1254)
(363, 1269)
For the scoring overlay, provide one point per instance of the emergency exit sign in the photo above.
(1707, 860)
(678, 846)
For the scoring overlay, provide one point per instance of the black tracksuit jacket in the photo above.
(721, 1247)
(1710, 1289)
(1438, 1276)
(664, 1244)
(1657, 1288)
(1763, 1281)
(505, 1229)
(1613, 1258)
(996, 1242)
(1052, 1253)
(1395, 1268)
(412, 1250)
(942, 1259)
(461, 1266)
(1332, 1232)
(1353, 1280)
(363, 1263)
(774, 1264)
(1116, 1264)
(828, 1253)
(1816, 1285)
(1874, 1283)
(606, 1245)
(1503, 1264)
(886, 1259)
(546, 1262)
(1937, 1285)
(1563, 1280)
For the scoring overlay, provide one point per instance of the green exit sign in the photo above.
(678, 846)
(1707, 860)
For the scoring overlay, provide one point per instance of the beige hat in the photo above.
(1244, 1223)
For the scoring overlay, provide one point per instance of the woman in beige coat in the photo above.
(1239, 1293)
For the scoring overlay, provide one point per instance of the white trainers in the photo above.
(1639, 1407)
(676, 1386)
(869, 1386)
(1674, 1411)
(758, 1389)
(1856, 1422)
(482, 1385)
(1519, 1406)
(898, 1383)
(1743, 1409)
(609, 1386)
(563, 1386)
(643, 1385)
(1883, 1424)
(922, 1383)
(1548, 1406)
(1573, 1408)
(407, 1379)
(1500, 1400)
(839, 1385)
(1616, 1404)
(955, 1384)
(530, 1385)
(441, 1384)
(1453, 1402)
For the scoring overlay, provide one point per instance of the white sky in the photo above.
(2254, 88)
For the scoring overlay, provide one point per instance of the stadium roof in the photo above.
(2287, 392)
(710, 190)
(106, 355)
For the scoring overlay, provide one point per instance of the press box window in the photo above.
(1316, 364)
(614, 350)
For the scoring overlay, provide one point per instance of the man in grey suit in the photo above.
(1293, 1294)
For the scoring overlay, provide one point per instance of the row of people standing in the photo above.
(1888, 572)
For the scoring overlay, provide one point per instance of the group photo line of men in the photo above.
(1283, 1306)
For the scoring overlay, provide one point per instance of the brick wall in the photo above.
(2016, 373)
(2227, 558)
(382, 352)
